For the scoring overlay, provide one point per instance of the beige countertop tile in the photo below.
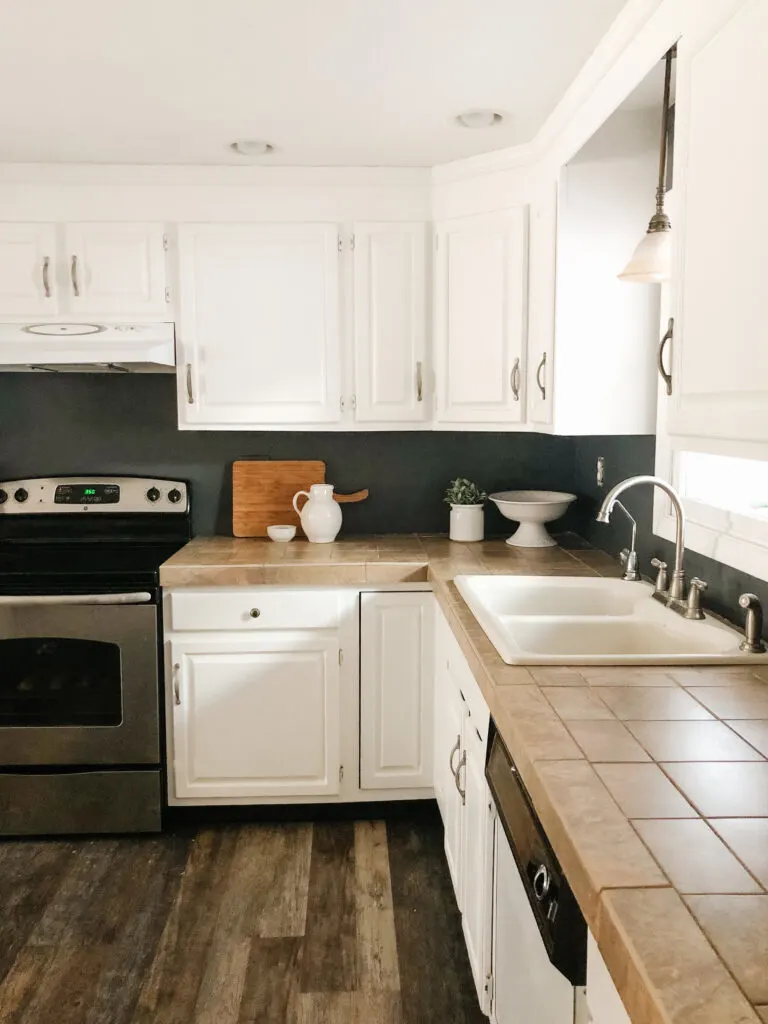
(737, 926)
(662, 964)
(606, 741)
(643, 791)
(665, 968)
(693, 857)
(723, 789)
(754, 732)
(748, 838)
(648, 703)
(692, 741)
(749, 700)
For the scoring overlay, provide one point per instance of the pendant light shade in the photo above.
(651, 262)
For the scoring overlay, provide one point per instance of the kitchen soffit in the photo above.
(342, 82)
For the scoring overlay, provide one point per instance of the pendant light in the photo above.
(652, 259)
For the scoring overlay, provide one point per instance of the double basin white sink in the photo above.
(567, 620)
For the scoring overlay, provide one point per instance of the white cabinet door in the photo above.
(391, 373)
(477, 862)
(396, 674)
(480, 318)
(526, 987)
(259, 325)
(256, 717)
(603, 999)
(541, 305)
(28, 285)
(115, 269)
(720, 345)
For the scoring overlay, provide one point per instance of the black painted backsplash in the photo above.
(88, 423)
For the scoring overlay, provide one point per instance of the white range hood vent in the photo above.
(88, 348)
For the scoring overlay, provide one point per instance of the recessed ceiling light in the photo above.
(479, 118)
(251, 147)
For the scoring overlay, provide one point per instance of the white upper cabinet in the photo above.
(259, 325)
(480, 314)
(28, 284)
(94, 270)
(115, 269)
(541, 306)
(392, 381)
(720, 344)
(396, 669)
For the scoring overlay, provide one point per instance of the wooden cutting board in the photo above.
(262, 493)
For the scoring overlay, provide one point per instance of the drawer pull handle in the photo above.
(462, 764)
(254, 613)
(542, 387)
(176, 693)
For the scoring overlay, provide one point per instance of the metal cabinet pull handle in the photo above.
(46, 278)
(666, 377)
(190, 395)
(73, 276)
(539, 368)
(541, 882)
(176, 693)
(455, 751)
(419, 382)
(254, 613)
(462, 764)
(514, 380)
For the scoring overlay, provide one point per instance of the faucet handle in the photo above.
(662, 578)
(693, 609)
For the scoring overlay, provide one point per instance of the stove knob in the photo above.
(153, 494)
(3, 496)
(174, 496)
(21, 494)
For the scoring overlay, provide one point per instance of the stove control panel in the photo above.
(127, 495)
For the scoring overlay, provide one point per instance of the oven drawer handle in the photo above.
(140, 597)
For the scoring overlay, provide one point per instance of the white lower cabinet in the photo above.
(461, 737)
(603, 1000)
(396, 670)
(257, 717)
(280, 694)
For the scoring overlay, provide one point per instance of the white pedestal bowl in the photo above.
(532, 509)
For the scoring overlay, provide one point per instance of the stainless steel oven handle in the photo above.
(140, 597)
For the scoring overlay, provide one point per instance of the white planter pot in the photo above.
(467, 522)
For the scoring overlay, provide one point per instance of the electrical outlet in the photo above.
(600, 475)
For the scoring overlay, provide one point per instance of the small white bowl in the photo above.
(281, 534)
(532, 509)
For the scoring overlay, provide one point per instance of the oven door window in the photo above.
(59, 681)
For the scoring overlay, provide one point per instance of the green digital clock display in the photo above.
(87, 494)
(89, 490)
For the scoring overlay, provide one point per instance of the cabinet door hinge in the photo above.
(340, 244)
(341, 773)
(489, 987)
(167, 294)
(341, 656)
(354, 401)
(165, 243)
(352, 243)
(342, 403)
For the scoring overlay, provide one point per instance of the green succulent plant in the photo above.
(464, 492)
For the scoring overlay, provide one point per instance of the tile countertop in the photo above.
(652, 783)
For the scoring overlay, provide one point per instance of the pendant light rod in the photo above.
(660, 221)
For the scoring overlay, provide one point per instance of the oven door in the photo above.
(79, 680)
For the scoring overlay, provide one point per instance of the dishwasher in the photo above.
(539, 944)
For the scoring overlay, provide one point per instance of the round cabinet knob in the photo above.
(541, 882)
(153, 494)
(3, 496)
(21, 494)
(174, 496)
(254, 613)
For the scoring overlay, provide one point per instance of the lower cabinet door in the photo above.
(257, 717)
(396, 669)
(526, 987)
(477, 863)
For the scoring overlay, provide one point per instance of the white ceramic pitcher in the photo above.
(320, 515)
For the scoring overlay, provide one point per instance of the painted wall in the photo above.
(127, 424)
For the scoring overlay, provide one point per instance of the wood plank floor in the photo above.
(349, 922)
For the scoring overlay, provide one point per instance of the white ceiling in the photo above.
(329, 82)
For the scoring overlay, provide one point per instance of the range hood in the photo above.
(88, 348)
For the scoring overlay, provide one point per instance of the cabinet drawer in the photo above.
(254, 608)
